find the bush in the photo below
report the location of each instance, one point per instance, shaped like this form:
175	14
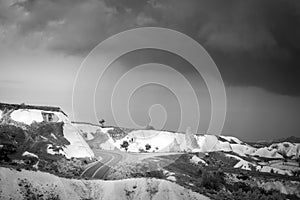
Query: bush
200	172
256	193
11	134
64	167
155	174
148	147
102	121
30	160
286	145
241	190
6	150
127	170
239	185
243	176
125	145
212	179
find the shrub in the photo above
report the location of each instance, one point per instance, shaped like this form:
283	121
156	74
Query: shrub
125	145
102	121
11	134
286	145
127	170
155	174
256	193
212	179
6	150
239	186
64	167
243	176
200	172
148	147
30	160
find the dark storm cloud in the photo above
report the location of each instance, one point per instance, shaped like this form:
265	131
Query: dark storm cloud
254	43
73	27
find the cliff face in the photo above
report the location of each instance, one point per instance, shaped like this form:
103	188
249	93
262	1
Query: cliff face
44	129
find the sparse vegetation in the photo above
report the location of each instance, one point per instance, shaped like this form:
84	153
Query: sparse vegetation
240	190
34	193
214	176
216	184
64	167
212	179
118	133
16	138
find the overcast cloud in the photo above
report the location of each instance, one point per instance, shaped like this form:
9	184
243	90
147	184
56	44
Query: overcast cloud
255	44
262	35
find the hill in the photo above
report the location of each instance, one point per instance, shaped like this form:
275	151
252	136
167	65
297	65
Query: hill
281	158
38	185
165	141
41	129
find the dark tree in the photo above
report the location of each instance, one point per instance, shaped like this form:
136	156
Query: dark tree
125	145
102	121
148	146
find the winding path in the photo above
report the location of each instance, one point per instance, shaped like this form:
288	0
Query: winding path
100	168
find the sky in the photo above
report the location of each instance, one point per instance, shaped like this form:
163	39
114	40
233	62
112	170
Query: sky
255	45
